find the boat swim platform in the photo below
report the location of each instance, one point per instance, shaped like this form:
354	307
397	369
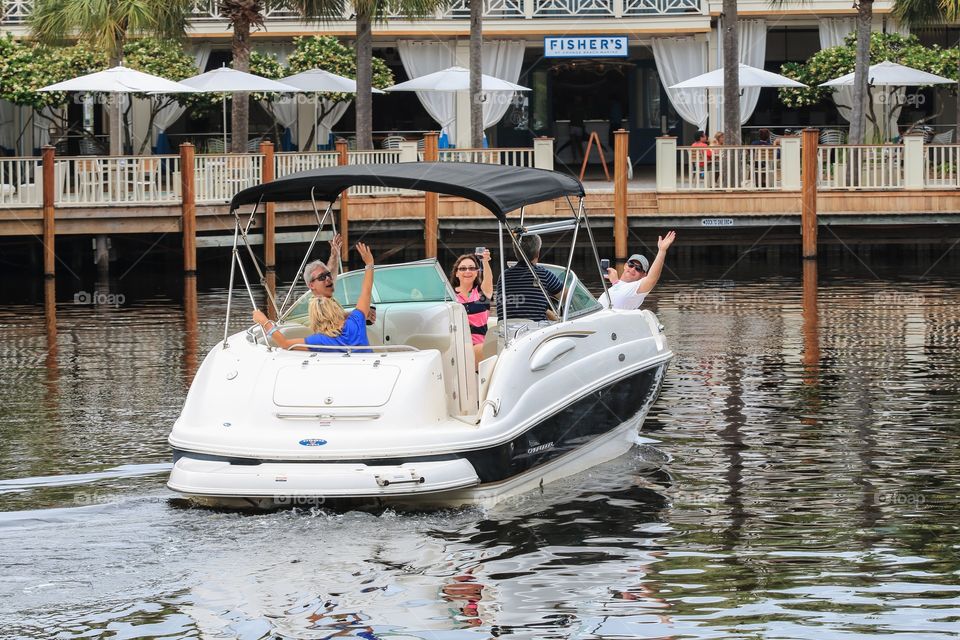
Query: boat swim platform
644	209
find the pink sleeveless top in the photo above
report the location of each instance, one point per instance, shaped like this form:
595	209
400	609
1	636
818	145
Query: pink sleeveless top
478	312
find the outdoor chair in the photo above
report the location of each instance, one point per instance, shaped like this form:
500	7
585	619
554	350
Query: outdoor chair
831	136
392	142
145	177
89	173
253	146
215	145
90	147
945	137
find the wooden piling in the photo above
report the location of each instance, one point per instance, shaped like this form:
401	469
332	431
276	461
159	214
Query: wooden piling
188	207
49	224
621	144
808	202
270	211
343	159
431	200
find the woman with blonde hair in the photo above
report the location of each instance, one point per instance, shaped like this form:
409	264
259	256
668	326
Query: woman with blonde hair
330	324
717	139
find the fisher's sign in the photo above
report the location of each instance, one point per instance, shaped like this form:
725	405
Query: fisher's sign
585	46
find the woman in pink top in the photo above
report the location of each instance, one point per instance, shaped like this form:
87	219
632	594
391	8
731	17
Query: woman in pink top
474	288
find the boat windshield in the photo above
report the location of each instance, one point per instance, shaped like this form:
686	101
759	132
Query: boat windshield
583	301
421	281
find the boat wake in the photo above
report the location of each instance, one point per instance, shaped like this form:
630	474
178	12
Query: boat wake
17	485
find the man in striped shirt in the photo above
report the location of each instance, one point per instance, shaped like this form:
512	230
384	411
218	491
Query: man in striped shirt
523	297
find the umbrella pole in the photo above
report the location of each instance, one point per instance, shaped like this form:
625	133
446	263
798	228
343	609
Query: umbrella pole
223	102
316	125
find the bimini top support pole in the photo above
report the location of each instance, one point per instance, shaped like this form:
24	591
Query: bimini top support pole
596	256
233	264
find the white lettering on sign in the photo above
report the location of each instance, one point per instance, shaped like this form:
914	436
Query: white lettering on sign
585	47
716	222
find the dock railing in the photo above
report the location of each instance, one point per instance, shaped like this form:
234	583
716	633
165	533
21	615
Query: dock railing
93	181
909	165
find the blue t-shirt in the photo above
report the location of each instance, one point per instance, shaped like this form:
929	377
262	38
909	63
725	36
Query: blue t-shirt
354	334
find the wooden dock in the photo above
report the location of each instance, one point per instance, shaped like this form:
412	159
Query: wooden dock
188	202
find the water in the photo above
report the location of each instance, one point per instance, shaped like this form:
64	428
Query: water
799	480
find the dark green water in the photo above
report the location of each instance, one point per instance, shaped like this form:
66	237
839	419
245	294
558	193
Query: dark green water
810	491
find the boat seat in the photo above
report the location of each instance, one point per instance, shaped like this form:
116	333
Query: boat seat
442	326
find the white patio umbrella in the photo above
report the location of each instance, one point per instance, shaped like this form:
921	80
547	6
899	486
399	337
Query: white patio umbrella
749	77
225	80
120	80
890	74
320	81
454	79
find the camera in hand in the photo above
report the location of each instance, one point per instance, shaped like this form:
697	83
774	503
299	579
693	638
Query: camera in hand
605	264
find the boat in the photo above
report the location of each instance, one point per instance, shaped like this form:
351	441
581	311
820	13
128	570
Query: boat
413	419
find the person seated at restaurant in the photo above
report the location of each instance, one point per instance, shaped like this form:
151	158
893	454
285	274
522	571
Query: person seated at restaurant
329	323
474	287
717	139
701	158
639	277
522	297
763	138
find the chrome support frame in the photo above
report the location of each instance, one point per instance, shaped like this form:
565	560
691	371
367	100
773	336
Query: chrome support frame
596	256
568	274
503	267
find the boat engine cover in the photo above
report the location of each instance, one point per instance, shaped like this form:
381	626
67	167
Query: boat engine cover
334	385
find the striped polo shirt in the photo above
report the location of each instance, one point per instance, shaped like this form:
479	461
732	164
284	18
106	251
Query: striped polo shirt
523	297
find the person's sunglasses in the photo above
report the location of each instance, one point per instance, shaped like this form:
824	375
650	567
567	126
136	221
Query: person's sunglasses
466	269
326	275
636	265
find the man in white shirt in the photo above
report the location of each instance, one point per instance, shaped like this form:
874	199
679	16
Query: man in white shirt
639	277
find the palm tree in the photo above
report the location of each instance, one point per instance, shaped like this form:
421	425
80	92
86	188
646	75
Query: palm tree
366	13
476	69
106	25
861	71
731	73
245	16
923	13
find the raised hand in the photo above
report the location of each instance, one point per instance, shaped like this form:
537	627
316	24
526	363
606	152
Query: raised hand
336	244
664	242
365	254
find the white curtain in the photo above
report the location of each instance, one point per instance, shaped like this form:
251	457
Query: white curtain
55	119
285	108
680	59
752	51
501	59
421	58
330	120
833	31
172	112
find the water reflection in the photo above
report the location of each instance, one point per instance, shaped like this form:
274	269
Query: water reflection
191	330
810	419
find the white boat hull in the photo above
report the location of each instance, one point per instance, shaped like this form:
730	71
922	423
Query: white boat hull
561	399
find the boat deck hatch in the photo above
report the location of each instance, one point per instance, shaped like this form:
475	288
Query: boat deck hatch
335	385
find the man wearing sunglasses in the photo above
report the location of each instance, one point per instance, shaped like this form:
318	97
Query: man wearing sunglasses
639	277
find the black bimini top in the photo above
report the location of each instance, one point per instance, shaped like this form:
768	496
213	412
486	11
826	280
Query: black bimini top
499	188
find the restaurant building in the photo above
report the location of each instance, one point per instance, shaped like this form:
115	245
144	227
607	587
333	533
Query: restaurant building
605	62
